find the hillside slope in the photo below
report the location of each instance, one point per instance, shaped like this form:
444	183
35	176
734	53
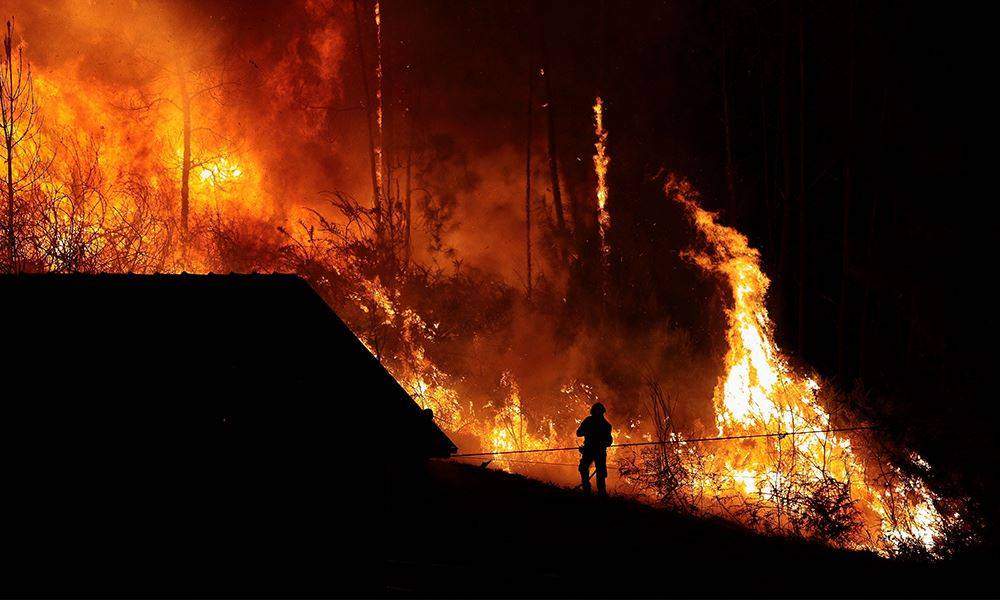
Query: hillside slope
462	530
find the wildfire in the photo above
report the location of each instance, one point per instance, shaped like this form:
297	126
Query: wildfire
759	393
601	161
109	200
808	480
499	425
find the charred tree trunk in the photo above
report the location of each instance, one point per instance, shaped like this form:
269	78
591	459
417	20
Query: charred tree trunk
768	208
20	125
803	238
384	224
551	115
362	63
786	161
408	207
11	239
7	99
527	175
185	160
8	131
866	299
870	252
845	235
726	119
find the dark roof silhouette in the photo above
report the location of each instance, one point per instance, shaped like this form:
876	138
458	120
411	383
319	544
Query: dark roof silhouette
223	421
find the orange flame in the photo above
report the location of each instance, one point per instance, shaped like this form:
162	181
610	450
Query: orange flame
601	161
760	393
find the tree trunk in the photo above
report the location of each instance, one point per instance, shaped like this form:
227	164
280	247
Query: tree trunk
384	177
870	250
726	120
409	190
376	193
866	299
845	235
11	239
551	114
185	160
8	114
803	238
527	176
768	208
786	164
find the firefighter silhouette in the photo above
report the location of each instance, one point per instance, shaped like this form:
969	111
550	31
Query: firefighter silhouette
596	433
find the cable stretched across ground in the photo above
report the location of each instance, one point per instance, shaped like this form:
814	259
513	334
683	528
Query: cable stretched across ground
524	462
668	442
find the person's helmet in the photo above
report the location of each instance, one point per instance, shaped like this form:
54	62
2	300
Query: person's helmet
598	409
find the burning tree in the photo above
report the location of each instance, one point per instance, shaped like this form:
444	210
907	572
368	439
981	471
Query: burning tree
24	161
199	155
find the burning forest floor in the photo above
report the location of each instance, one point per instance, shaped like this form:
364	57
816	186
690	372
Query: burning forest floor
462	530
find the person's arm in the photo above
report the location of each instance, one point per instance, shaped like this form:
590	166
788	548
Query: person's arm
581	431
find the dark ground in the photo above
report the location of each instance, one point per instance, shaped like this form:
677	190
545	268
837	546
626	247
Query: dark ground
473	532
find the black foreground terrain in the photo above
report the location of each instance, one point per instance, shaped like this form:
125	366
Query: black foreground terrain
467	531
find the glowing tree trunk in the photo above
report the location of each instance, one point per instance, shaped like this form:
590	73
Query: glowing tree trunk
601	162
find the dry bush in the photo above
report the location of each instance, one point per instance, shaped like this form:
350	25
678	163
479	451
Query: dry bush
662	470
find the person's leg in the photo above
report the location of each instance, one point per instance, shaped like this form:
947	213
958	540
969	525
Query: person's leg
585	460
601	464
